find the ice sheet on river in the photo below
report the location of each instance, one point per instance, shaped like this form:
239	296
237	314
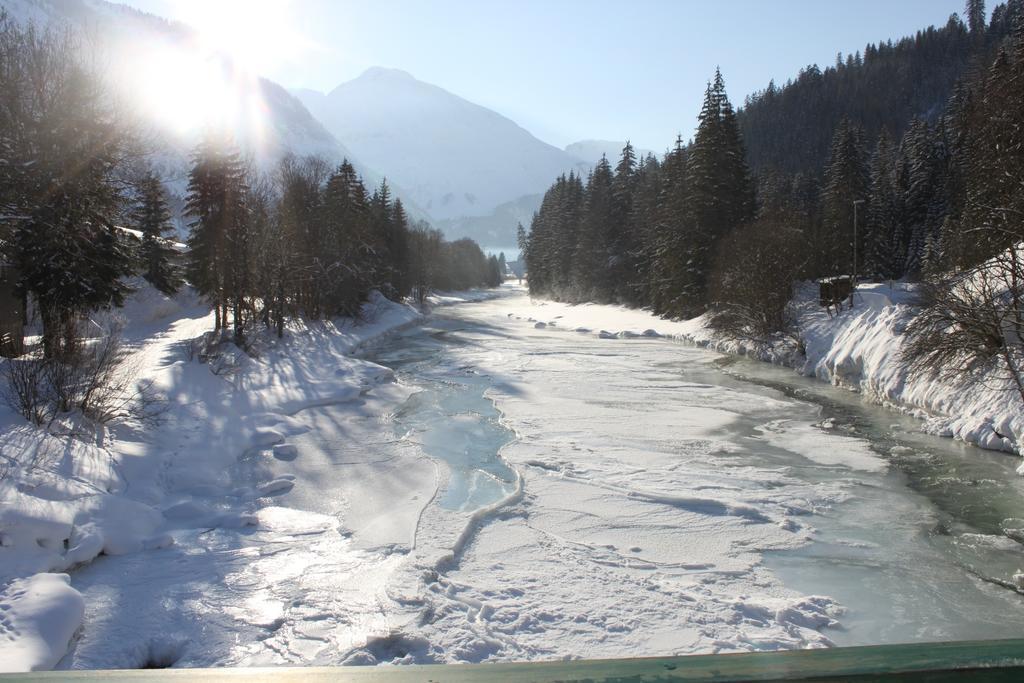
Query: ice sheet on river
642	520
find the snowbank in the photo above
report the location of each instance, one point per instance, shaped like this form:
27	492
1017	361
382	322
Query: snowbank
38	616
858	349
73	492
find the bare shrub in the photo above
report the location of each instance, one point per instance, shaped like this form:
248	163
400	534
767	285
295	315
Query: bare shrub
752	282
971	324
92	376
24	390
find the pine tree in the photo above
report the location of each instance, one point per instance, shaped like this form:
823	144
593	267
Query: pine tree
721	192
523	242
846	181
218	258
389	229
924	178
538	247
668	242
623	239
592	259
882	221
643	223
157	255
975	12
380	227
397	245
738	186
346	214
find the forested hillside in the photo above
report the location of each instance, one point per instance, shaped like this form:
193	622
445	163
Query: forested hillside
906	162
789	128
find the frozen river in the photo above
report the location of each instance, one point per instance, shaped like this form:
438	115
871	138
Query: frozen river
529	492
675	500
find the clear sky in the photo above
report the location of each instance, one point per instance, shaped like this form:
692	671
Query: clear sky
563	69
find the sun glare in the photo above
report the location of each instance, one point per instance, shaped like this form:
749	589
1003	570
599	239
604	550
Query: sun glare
254	33
183	91
212	81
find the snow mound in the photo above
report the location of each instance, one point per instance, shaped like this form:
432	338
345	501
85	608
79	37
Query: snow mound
38	617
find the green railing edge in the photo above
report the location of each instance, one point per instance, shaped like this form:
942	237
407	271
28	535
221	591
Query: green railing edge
989	659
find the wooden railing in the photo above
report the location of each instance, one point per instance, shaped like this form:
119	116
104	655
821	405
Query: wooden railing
995	660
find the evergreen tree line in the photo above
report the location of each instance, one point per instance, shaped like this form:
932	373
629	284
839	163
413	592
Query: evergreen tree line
645	232
697	231
308	240
789	128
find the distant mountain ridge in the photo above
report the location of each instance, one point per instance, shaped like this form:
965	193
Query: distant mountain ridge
591	151
455	158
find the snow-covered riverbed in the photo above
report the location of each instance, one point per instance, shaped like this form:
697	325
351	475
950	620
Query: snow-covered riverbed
528	491
673	507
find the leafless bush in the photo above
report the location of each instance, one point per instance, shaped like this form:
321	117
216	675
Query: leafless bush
23	388
971	323
92	376
217	352
752	282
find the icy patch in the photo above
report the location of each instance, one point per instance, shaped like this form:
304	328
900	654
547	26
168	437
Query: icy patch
824	448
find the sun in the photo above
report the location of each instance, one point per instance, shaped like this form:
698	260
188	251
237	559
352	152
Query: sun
255	34
211	79
185	91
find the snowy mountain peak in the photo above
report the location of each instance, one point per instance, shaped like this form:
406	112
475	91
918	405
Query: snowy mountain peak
454	157
385	73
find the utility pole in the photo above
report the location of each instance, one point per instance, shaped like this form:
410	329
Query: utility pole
853	281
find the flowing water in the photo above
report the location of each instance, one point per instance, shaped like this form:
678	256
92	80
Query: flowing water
449	416
926	552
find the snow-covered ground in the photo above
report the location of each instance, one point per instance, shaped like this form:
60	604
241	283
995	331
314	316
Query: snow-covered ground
505	480
66	499
858	349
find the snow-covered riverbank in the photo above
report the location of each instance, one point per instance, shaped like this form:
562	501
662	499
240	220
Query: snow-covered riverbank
857	349
67	499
